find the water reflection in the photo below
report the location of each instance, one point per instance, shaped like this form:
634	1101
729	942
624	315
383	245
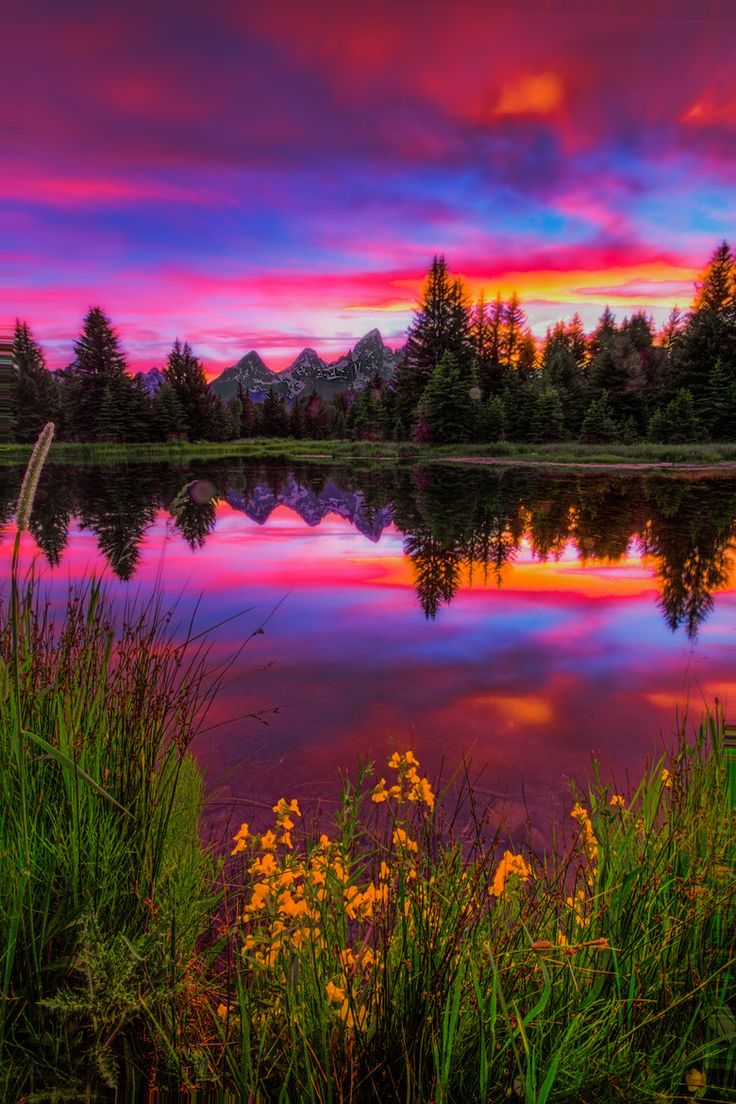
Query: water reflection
460	526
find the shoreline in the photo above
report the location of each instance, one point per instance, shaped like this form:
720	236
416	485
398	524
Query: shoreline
716	460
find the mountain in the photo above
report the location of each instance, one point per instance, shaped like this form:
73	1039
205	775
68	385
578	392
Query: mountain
250	371
309	372
312	507
151	380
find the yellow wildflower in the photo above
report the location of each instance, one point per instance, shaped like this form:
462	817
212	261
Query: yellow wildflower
578	904
579	812
259	895
285	839
335	993
288	906
618	801
268	841
265	865
222	1011
283	807
380	793
510	866
401	839
666	778
695	1080
424	793
351	897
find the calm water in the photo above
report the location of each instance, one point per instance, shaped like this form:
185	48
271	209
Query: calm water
522	620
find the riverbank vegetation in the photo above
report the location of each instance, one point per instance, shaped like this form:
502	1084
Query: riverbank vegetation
400	948
470	373
571	453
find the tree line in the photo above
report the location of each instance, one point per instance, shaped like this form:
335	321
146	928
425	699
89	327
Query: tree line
471	372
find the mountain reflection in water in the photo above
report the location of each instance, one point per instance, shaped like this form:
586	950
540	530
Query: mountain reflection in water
460	526
500	614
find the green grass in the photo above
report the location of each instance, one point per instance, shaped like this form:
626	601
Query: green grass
287	449
604	971
106	892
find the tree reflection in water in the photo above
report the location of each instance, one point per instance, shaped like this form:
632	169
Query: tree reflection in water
458	523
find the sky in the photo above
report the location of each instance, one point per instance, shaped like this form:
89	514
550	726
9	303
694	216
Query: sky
246	175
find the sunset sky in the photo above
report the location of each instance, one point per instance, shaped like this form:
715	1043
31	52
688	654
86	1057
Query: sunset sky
277	175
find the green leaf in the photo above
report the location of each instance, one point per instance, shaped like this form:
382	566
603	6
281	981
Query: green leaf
70	765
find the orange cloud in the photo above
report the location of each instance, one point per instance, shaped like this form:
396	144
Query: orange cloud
618	285
536	94
710	110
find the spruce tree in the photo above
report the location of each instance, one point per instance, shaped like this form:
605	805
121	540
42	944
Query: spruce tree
248	415
273	415
445	403
185	373
491	420
168	415
234	409
710	332
598	424
98	369
678	422
34	398
718	411
548	419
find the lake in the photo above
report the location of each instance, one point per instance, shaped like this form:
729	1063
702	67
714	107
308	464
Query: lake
520	620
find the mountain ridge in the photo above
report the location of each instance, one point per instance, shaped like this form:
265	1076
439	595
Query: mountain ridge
309	372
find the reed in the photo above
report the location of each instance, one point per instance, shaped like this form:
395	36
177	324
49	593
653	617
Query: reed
106	891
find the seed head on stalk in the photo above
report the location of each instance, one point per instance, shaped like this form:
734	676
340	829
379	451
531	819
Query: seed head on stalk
30	479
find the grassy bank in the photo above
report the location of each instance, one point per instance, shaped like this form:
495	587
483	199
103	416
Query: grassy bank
569	453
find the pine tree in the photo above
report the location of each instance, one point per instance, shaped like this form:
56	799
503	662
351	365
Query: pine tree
603	334
185	374
548	419
168	415
678	422
98	367
273	415
710	332
248	416
97	351
234	409
407	387
718	412
598	424
441	325
514	327
34	399
298	419
562	370
445	403
492	419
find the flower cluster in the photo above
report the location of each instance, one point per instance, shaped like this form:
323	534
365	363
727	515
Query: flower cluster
512	869
409	786
590	842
